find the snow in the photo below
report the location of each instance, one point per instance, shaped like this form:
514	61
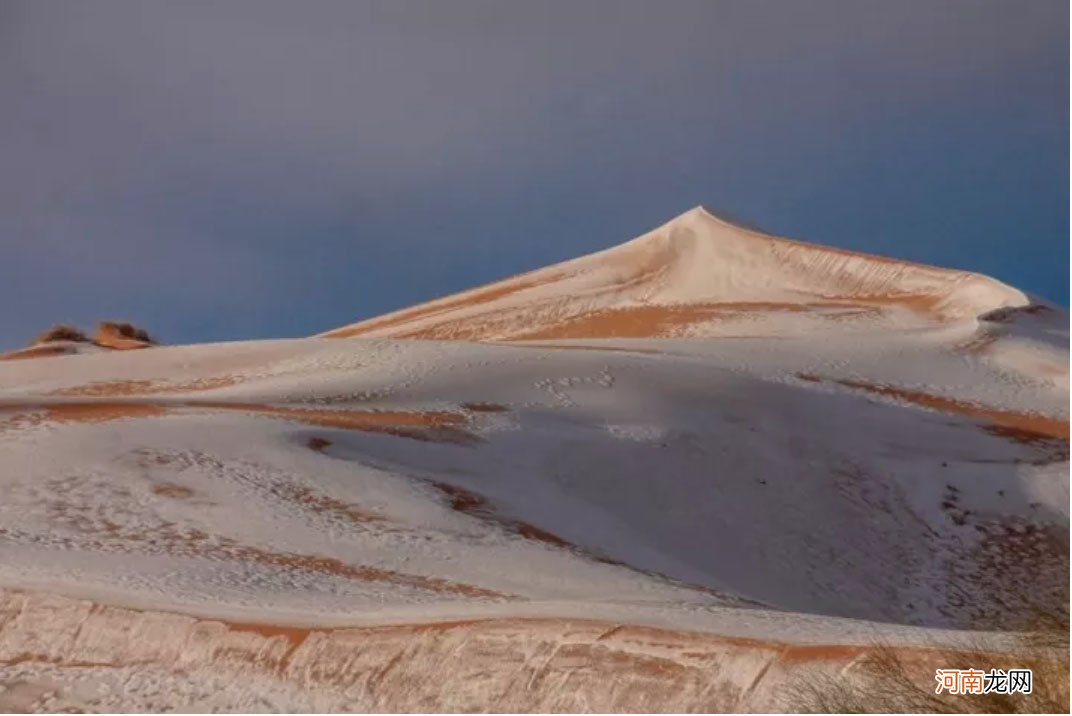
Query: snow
627	455
743	281
786	485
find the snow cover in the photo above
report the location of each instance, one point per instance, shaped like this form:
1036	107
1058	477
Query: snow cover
51	349
882	479
699	275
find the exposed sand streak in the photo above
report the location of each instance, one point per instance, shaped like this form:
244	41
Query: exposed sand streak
364	573
95	412
478	506
106	535
518	664
657	321
687	276
170	489
470	503
147	387
483	294
42	351
434	426
1021	425
638	321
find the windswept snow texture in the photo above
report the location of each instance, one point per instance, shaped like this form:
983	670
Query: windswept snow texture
701	276
545	501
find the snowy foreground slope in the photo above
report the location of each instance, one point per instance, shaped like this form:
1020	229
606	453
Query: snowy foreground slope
673	516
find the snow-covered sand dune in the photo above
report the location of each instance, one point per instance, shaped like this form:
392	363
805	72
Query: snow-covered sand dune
699	275
596	507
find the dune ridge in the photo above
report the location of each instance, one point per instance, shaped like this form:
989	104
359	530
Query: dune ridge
700	276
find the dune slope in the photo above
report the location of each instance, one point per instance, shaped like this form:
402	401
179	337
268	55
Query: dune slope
639	519
700	276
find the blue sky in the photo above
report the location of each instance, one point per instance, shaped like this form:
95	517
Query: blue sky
228	170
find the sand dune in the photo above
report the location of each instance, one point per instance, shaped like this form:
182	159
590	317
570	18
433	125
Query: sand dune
701	276
679	474
480	664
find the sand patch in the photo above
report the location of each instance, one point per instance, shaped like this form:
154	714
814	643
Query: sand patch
122	336
646	321
292	634
568	347
43	351
147	387
475	505
170	489
1023	427
484	294
673	320
100	533
322	504
354	419
427	426
924	303
96	412
653	321
485	407
364	573
120	344
1021	422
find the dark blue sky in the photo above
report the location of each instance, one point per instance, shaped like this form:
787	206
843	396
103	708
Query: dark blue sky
225	170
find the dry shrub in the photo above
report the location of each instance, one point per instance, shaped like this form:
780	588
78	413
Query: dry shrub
61	332
896	680
122	329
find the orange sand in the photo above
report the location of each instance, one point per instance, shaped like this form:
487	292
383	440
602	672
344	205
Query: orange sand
147	387
490	292
42	351
1020	425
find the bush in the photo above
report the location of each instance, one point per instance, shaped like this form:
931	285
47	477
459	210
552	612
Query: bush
61	332
122	329
896	679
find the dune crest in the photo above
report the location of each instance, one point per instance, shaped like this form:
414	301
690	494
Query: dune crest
701	276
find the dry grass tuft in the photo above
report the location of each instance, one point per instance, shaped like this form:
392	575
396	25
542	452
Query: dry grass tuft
897	680
122	329
61	332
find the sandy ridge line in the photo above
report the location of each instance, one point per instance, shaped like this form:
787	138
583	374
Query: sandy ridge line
1025	426
116	388
445	304
650	321
525	660
603	629
431	425
43	351
506	664
198	544
481	314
